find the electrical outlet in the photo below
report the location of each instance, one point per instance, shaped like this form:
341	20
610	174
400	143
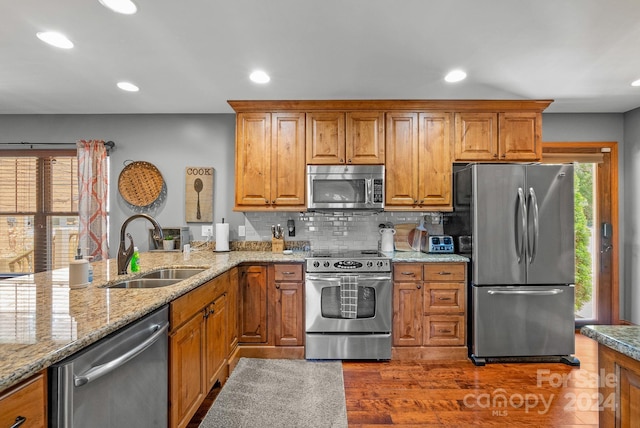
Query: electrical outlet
242	231
207	231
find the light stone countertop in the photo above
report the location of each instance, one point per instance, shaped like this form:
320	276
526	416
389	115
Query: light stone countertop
622	338
43	321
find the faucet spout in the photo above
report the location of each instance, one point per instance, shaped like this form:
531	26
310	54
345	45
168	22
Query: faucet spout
125	253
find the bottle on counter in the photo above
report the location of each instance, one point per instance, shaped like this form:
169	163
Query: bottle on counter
78	271
135	260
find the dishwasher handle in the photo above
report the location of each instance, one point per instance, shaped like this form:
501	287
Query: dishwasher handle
101	370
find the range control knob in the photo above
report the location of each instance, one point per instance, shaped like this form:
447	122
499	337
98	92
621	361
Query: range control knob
369	263
316	264
326	264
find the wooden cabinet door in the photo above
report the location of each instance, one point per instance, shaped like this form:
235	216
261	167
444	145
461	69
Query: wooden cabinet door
628	402
444	330
365	137
520	135
187	386
476	136
289	320
232	310
216	340
253	159
26	400
434	160
288	170
407	314
401	169
253	306
325	138
444	297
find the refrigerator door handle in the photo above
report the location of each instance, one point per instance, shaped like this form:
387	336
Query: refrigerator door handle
526	292
520	246
536	225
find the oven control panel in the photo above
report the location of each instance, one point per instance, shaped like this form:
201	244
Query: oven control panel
348	265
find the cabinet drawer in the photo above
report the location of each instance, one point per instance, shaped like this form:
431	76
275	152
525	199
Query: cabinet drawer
444	271
444	330
444	297
407	272
288	272
27	400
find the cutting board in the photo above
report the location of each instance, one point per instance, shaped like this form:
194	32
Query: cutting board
404	236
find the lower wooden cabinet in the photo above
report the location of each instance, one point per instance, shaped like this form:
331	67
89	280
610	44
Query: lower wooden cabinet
618	389
429	310
198	347
253	304
287	311
26	402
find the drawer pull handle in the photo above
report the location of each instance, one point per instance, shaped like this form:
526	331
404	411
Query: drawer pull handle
19	421
288	273
444	331
408	273
444	273
444	298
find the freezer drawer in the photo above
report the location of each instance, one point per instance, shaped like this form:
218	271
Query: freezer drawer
519	321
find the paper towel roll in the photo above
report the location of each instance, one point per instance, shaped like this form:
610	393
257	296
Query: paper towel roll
222	236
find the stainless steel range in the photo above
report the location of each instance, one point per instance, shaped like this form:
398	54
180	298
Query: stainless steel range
348	305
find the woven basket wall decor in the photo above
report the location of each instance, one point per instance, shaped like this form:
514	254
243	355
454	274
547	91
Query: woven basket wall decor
140	183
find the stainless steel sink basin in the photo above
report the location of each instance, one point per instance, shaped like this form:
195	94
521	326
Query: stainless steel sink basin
144	283
173	273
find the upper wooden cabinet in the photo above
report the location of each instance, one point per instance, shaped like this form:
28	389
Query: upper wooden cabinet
418	166
509	136
355	137
270	161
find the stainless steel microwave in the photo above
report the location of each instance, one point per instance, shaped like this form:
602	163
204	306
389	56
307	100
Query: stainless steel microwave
345	187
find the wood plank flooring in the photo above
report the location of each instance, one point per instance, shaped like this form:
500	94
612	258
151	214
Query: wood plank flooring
458	394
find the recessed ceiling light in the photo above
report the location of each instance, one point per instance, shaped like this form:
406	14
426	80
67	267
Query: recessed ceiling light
455	76
55	39
259	76
127	86
126	7
635	83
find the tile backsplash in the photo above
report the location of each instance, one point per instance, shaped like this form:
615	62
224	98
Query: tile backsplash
335	231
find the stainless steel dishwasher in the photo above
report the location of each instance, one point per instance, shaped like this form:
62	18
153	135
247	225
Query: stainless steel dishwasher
120	381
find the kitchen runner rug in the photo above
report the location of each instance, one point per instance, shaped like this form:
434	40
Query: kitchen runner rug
280	393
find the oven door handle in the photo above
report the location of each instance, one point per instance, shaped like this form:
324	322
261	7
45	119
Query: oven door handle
337	278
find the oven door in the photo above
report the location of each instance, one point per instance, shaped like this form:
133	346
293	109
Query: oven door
325	308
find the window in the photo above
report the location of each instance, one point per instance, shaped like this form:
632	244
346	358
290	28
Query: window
38	210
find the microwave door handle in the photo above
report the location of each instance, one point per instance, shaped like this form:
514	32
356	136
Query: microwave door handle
368	199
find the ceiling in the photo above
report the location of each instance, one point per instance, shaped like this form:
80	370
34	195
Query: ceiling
192	56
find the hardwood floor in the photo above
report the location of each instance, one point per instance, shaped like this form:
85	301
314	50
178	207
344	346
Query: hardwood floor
458	394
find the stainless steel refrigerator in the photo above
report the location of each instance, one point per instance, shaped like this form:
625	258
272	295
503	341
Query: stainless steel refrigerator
521	223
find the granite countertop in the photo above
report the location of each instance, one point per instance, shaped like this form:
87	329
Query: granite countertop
43	321
622	338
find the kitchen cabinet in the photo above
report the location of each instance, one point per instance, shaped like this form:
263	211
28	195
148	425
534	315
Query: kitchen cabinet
337	137
270	161
489	136
287	290
429	310
198	347
233	304
26	401
418	163
253	304
618	389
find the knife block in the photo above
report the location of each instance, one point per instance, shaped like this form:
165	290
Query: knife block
277	245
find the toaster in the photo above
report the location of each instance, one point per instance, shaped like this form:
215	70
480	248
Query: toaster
440	244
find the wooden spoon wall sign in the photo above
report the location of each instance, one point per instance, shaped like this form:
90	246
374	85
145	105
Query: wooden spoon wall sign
141	185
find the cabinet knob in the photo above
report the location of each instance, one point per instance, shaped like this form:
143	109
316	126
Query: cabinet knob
341	160
418	286
504	155
415	201
266	201
278	286
421	201
349	161
495	155
273	202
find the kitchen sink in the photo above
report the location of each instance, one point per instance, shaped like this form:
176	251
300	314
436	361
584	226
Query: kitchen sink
173	273
144	283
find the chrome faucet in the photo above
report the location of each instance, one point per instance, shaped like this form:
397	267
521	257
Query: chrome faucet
124	255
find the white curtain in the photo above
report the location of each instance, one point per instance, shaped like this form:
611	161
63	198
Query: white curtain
93	184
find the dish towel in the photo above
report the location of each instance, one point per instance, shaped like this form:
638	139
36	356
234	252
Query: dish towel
349	296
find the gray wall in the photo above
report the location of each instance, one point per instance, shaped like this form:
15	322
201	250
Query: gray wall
632	214
173	142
